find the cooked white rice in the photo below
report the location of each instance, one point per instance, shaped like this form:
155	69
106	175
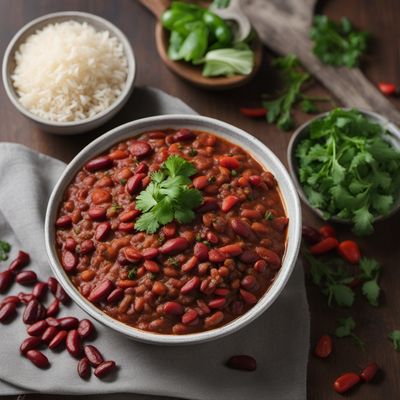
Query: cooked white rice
68	71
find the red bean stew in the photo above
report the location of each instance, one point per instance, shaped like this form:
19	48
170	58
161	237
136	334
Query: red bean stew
183	278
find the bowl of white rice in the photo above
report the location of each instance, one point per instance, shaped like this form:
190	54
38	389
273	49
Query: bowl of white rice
69	72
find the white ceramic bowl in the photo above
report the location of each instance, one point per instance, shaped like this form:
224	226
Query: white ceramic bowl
73	127
235	135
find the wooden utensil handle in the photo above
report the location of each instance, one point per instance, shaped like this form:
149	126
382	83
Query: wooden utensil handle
157	7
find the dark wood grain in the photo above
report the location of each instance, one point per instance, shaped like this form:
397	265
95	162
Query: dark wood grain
378	17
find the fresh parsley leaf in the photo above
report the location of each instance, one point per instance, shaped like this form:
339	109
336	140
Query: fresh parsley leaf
168	196
308	106
369	268
371	291
342	294
4	250
337	44
346	328
394	336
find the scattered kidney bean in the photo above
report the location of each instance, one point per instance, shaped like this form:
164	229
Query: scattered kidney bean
68	323
104	368
7	311
37	328
84	368
10	299
30	343
327	231
85	328
324	346
345	382
62	295
73	343
52	283
49	334
26	297
350	251
387	88
53	308
58	339
369	372
19	262
39	290
242	362
6	279
324	246
26	277
32	312
93	355
311	235
52	322
37	358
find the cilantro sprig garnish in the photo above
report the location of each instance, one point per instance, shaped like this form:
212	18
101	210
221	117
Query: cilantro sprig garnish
394	336
348	169
168	196
345	329
337	44
4	250
370	271
279	110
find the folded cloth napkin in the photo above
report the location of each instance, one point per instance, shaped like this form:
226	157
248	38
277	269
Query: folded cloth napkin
278	339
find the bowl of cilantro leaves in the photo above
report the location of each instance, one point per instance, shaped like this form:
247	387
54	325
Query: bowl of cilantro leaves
346	166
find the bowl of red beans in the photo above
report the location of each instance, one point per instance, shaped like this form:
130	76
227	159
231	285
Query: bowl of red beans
174	229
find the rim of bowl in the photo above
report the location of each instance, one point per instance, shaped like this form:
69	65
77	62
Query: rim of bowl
301	132
52	18
223	130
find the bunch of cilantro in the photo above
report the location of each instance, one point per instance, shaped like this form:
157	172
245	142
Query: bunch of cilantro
348	169
168	196
337	44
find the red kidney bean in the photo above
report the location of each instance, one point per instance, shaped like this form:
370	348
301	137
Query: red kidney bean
97	213
32	312
189	316
115	296
19	262
248	282
70	244
134	183
57	340
140	149
151	266
324	346
156	135
39	290
104	368
237	307
327	231
249	257
64	222
217	303
213	319
183	135
216	256
150	253
7	311
169	230
101	292
68	323
52	322
102	162
255	180
10	299
173	308
311	235
200	182
221	292
190	285
132	254
207	286
345	382
26	277
209	204
52	283
49	334
174	246
37	328
85	328
73	343
37	358
201	252
86	247
93	355
43	312
241	228
242	362
128	216
83	368
260	266
54	308
269	256
231	250
369	372
30	343
62	295
212	237
229	202
26	297
229	162
190	264
248	297
102	231
324	246
142	168
6	279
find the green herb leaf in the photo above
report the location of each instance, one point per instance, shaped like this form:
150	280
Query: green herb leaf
394	336
132	274
342	294
346	328
371	291
4	250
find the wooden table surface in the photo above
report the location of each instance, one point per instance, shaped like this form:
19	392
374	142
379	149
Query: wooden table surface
381	18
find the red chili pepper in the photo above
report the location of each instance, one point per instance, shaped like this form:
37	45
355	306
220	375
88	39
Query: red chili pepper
324	246
350	251
345	382
254	112
327	231
324	346
369	372
387	88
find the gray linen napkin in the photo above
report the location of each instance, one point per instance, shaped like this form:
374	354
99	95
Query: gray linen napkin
278	339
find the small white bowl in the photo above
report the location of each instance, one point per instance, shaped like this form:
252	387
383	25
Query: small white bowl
228	132
73	127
